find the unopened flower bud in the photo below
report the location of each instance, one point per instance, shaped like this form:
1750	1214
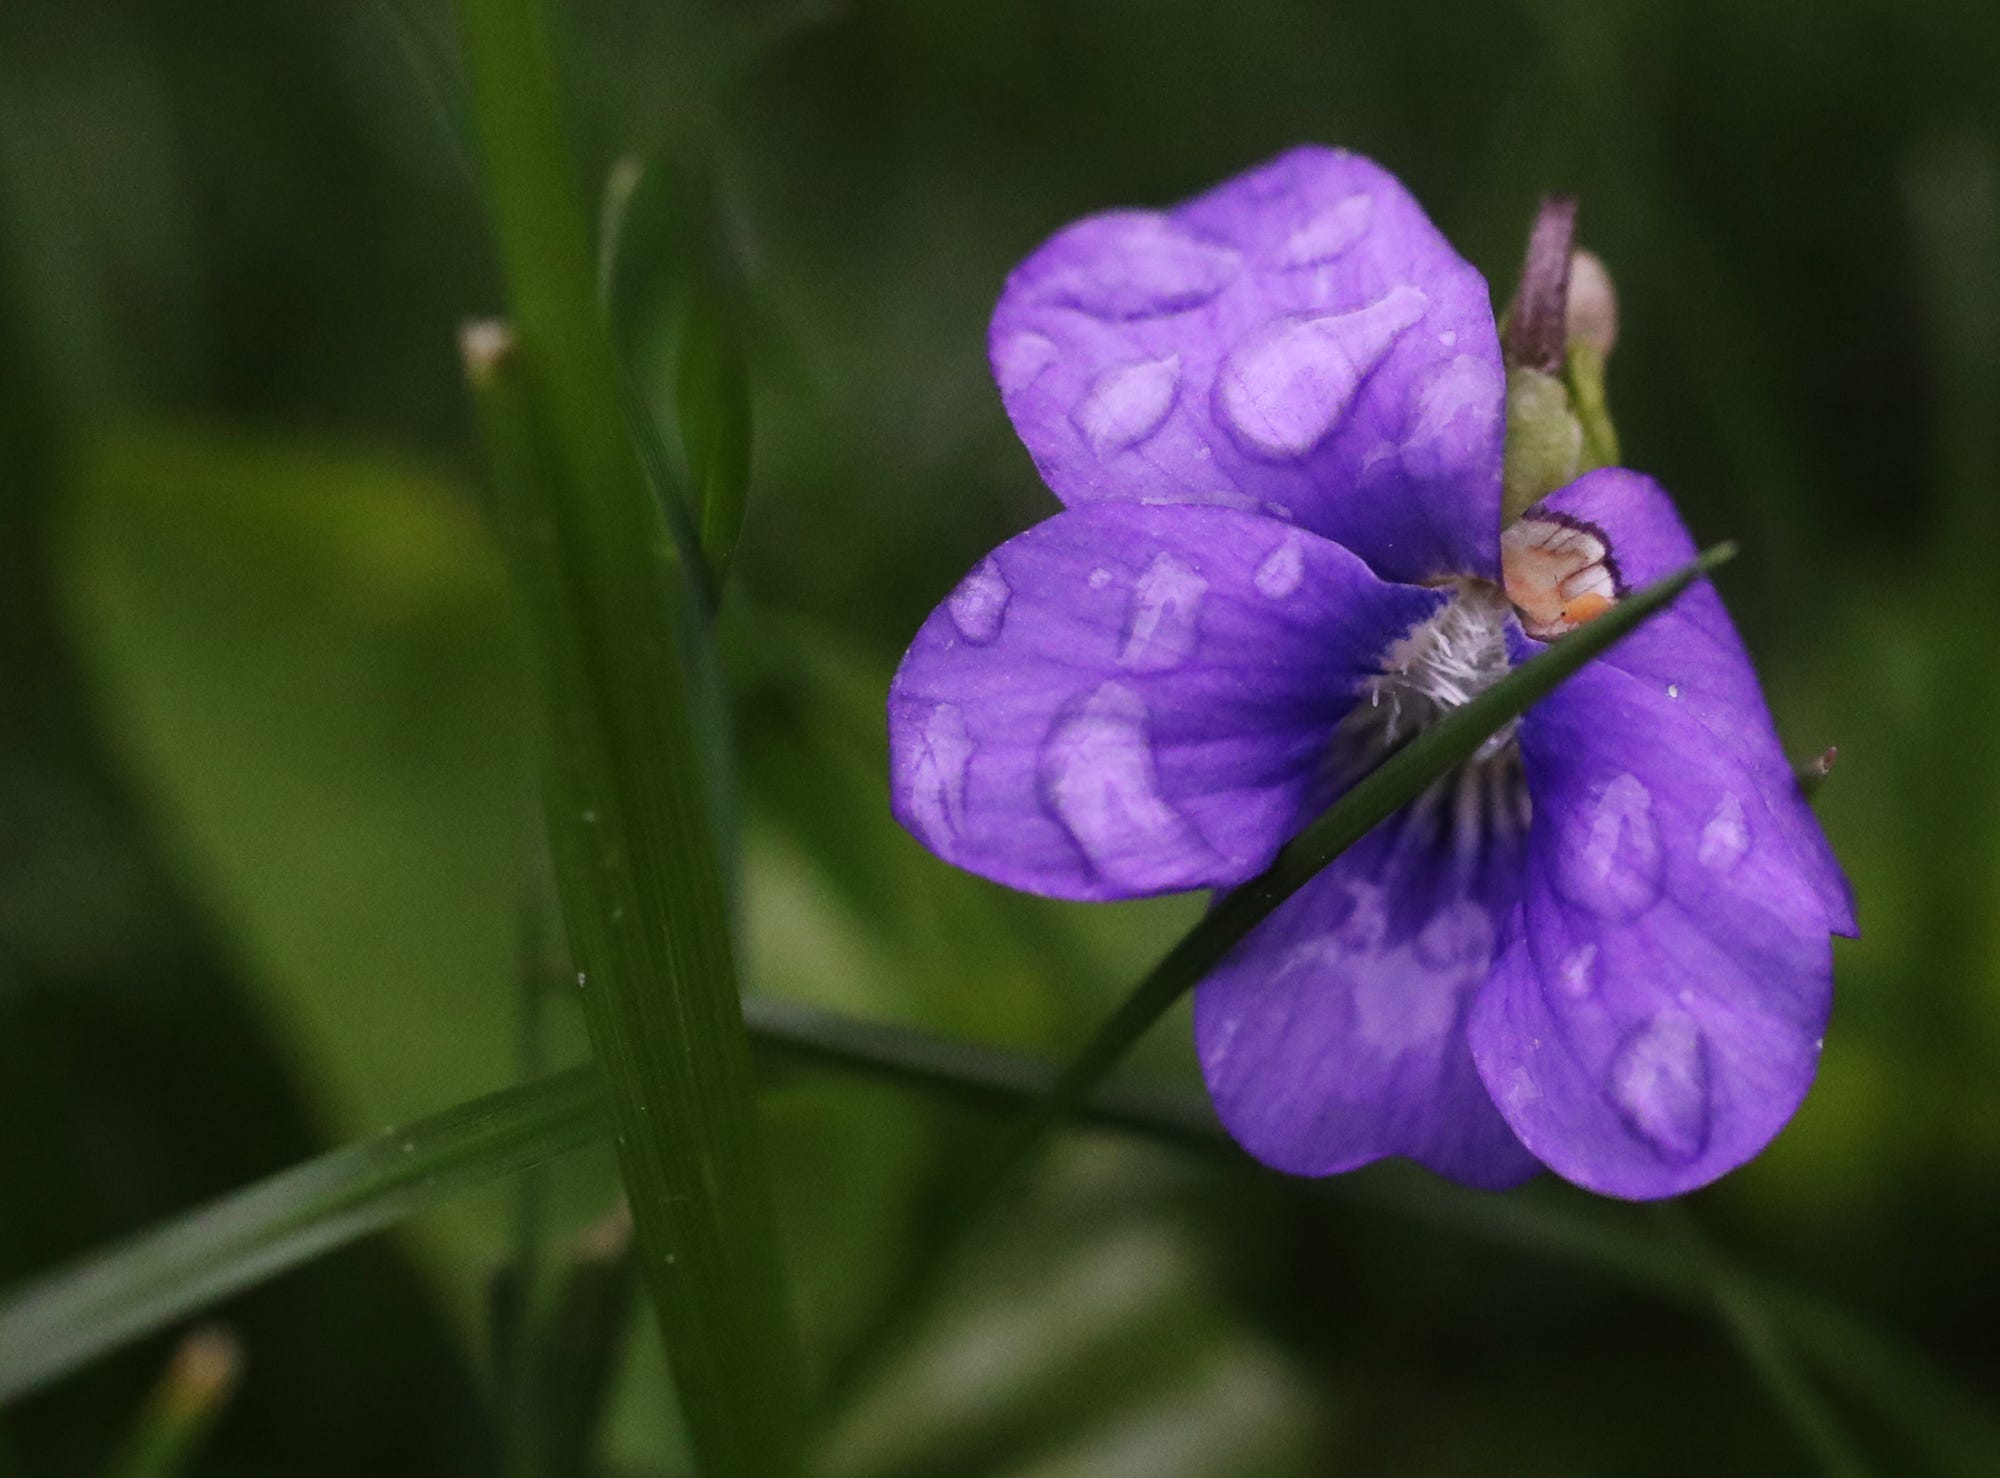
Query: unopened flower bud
1544	440
1536	327
1593	304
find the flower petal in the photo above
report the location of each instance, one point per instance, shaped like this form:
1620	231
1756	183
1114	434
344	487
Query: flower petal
1128	700
1301	339
1335	1033
1659	1018
1692	654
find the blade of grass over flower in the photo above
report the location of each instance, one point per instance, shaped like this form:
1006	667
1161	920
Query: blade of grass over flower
607	615
133	1289
1378	795
1396	782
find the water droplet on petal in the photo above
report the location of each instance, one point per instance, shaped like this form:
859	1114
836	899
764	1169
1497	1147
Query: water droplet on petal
1673	690
979	605
1019	360
1163	620
1099	578
1147	268
1127	404
1609	860
936	766
1399	1007
1099	778
1725	837
1206	498
1578	972
1364	927
1285	388
1329	234
1458	939
1659	1083
1449	338
1457	414
1282	569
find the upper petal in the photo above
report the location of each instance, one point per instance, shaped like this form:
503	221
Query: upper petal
1129	699
1692	654
1300	339
1334	1034
1659	1018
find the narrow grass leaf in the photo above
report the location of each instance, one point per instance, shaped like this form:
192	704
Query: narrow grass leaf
133	1289
606	612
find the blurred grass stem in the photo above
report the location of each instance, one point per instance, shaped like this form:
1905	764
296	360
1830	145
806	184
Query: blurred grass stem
183	1408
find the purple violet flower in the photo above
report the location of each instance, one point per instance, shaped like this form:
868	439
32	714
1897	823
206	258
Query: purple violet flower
1274	415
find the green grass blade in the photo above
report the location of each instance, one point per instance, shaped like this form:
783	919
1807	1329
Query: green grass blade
73	1315
606	609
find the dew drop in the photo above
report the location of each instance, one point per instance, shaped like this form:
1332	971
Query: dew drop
1673	690
1457	412
979	606
1659	1084
1449	338
1364	927
1127	404
1610	858
1457	939
1284	389
1282	569
1578	972
1019	361
1099	578
1331	233
1136	265
1163	620
1099	779
1398	1010
935	765
1725	837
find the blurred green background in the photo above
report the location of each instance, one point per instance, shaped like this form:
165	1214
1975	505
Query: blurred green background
265	811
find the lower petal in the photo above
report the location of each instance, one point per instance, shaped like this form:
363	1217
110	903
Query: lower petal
1693	655
1335	1033
1659	1017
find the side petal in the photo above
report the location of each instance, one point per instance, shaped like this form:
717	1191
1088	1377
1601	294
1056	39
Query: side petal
1128	700
1335	1033
1299	340
1693	655
1659	1018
